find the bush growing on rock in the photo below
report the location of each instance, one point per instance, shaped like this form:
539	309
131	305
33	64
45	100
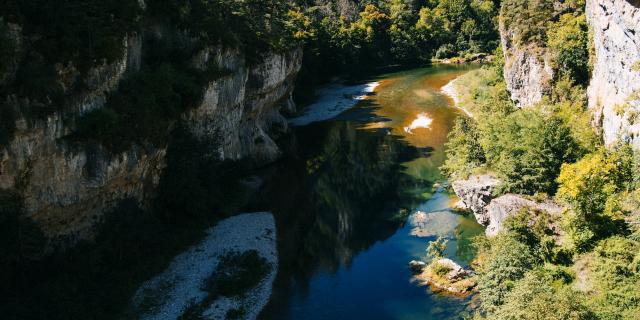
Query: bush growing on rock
568	39
436	248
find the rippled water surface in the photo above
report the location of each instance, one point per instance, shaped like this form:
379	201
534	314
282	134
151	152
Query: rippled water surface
342	198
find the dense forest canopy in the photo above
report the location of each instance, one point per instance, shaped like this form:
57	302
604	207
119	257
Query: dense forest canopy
343	39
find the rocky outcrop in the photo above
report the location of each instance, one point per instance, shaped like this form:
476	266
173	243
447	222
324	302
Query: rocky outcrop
507	205
615	25
527	70
242	108
67	186
476	193
417	266
444	275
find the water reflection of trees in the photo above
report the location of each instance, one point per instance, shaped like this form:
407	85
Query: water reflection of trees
336	195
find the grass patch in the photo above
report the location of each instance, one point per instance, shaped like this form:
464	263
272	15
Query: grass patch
235	314
439	269
237	273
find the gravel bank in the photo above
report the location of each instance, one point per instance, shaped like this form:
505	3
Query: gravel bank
167	295
451	91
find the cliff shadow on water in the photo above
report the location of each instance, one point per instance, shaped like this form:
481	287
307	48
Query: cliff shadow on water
335	196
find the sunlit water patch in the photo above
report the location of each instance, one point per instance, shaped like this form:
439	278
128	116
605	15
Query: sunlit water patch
422	121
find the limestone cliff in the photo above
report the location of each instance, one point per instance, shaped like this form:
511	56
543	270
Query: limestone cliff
527	69
615	25
242	108
67	186
527	72
509	204
476	193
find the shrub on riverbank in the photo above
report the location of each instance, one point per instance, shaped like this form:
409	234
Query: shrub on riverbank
524	147
583	264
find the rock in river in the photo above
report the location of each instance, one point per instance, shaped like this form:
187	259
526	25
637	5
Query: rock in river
447	275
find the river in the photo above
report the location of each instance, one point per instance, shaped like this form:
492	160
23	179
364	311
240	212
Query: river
342	198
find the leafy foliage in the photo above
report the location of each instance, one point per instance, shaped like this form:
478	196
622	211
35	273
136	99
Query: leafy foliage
569	39
592	187
525	147
527	21
255	26
80	31
464	149
237	273
507	260
616	269
143	108
436	248
536	297
528	149
588	183
395	32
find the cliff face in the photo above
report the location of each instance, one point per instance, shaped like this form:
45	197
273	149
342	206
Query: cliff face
242	108
68	186
65	188
510	204
527	70
527	73
616	37
476	193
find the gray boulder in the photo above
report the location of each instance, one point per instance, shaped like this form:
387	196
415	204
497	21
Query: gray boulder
417	266
476	193
502	207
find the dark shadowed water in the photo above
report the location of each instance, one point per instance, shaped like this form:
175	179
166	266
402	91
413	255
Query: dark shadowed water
342	198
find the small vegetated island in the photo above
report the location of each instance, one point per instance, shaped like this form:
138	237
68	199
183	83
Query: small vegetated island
135	133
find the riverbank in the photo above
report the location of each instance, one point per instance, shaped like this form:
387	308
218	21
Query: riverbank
451	90
181	285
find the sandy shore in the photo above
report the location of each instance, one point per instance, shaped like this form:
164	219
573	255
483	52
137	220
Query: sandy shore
451	91
333	100
167	295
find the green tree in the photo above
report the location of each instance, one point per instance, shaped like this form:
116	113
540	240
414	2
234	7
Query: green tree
506	261
591	186
527	150
436	248
588	183
616	273
536	297
464	152
569	41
